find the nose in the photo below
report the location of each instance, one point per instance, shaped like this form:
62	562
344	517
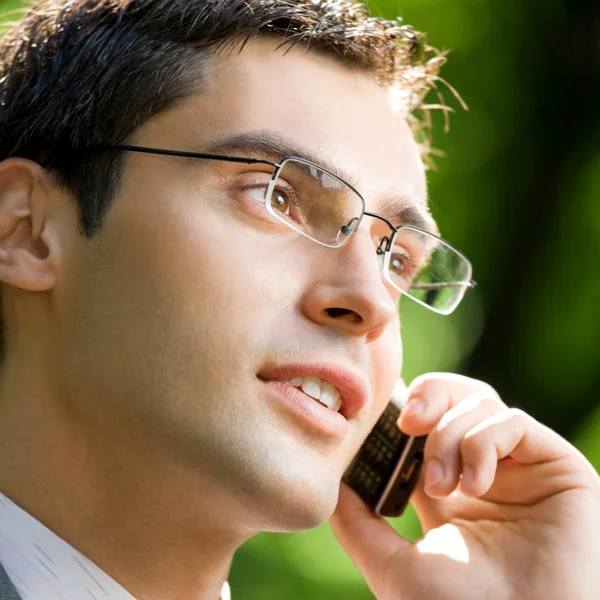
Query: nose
348	293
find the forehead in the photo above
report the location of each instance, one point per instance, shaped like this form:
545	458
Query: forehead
340	115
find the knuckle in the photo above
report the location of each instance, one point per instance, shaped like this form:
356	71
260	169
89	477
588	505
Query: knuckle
519	417
483	402
491	393
493	396
517	413
473	443
453	385
475	406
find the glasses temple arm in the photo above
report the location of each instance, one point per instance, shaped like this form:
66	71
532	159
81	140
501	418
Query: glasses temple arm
442	284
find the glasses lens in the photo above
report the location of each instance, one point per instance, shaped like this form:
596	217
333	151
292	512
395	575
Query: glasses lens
315	202
428	269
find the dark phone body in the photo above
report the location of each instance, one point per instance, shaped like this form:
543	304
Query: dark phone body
386	469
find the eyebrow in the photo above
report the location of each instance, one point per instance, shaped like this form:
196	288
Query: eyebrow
274	146
401	210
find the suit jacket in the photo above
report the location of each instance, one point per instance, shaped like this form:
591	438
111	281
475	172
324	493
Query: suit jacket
7	590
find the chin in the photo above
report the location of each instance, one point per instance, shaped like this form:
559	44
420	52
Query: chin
280	483
297	518
299	506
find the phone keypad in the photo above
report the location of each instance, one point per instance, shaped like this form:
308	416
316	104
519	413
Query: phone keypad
388	427
376	456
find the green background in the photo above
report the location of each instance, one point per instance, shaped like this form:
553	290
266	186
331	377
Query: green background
518	190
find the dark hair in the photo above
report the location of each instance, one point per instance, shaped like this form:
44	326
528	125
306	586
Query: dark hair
76	73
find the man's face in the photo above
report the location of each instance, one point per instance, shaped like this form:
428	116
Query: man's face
174	316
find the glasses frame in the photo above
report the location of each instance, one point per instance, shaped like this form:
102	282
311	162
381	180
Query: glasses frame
349	229
467	284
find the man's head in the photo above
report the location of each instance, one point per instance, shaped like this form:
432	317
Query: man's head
158	293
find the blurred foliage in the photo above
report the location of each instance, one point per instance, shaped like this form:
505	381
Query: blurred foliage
517	189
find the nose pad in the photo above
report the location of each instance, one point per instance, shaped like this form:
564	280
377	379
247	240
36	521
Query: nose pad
381	248
383	244
350	227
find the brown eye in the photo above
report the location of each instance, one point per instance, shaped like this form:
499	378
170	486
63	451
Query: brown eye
398	266
280	202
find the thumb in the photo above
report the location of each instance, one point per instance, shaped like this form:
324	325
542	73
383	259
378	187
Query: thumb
370	541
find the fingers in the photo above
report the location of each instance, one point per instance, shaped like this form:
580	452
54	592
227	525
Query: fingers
443	460
431	396
523	441
474	439
515	433
446	406
470	430
370	541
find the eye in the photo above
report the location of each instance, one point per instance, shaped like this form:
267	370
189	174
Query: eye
280	199
399	265
280	202
401	268
257	192
283	204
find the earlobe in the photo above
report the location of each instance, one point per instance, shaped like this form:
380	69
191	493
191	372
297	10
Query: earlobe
25	256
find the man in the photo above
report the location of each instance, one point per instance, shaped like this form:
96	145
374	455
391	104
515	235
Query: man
208	214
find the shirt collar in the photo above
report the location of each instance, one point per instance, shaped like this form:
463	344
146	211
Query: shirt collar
43	566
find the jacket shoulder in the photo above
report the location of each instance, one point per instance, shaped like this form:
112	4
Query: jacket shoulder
7	589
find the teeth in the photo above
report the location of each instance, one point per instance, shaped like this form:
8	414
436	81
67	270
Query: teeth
320	390
328	392
338	402
312	387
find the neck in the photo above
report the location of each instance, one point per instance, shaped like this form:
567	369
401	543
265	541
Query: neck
159	530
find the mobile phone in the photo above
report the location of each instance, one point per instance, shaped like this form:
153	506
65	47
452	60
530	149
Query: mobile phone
386	469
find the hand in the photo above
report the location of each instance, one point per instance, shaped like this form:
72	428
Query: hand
514	513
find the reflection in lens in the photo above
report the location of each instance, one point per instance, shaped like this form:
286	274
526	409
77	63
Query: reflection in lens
330	210
439	275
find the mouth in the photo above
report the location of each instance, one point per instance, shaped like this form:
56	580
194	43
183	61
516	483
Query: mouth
338	388
319	389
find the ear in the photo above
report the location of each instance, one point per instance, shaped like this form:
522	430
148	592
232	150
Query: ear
25	233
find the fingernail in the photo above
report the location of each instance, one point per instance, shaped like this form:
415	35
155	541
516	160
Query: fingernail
433	473
415	408
468	476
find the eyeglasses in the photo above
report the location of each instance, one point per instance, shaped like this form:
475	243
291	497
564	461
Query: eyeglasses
326	209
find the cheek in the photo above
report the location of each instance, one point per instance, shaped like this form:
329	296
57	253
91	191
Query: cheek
166	283
171	319
385	367
203	285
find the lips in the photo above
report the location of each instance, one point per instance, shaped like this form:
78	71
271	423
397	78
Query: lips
352	387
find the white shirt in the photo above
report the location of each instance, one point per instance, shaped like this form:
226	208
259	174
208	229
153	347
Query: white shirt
43	566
